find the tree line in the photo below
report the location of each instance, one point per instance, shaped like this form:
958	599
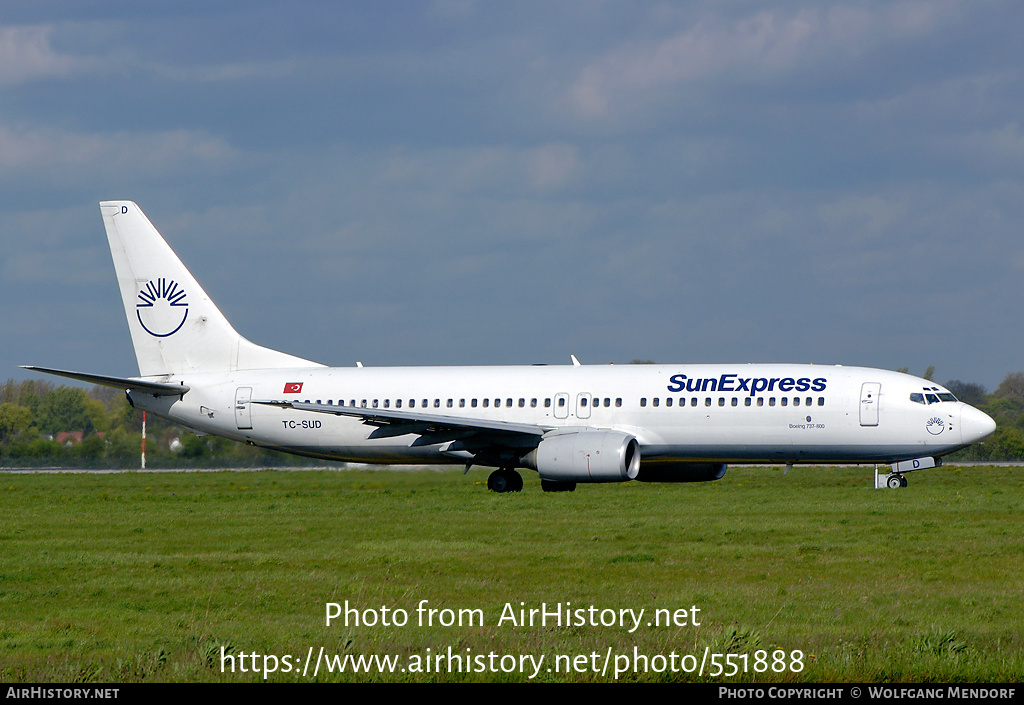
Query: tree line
43	424
1006	406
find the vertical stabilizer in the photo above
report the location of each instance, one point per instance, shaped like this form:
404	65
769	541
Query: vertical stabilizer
175	327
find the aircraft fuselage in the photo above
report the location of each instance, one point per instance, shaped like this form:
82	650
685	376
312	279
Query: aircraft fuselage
745	413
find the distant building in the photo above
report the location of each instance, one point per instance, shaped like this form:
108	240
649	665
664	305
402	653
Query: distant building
69	437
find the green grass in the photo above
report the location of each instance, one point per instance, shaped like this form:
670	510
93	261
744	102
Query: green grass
133	577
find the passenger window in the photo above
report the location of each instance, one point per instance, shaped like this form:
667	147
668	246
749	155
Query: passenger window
450	404
821	401
462	403
693	402
508	403
607	402
583	401
668	402
437	403
533	403
707	401
473	403
486	403
735	401
426	403
387	403
398	403
363	404
374	403
785	401
746	401
618	401
643	401
760	401
547	403
561	401
771	401
497	403
412	403
721	401
351	402
522	403
657	401
808	401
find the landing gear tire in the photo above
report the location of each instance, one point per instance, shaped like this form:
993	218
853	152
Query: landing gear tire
552	486
896	481
505	480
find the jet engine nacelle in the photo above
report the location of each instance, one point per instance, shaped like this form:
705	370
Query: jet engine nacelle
681	472
586	456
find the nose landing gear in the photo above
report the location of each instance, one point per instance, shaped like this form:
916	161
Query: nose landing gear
896	480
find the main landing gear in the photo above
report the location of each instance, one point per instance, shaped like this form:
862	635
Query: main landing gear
508	480
505	480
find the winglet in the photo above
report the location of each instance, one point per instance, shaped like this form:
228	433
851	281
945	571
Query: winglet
575	362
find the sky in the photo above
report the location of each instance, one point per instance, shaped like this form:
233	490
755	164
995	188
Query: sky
474	183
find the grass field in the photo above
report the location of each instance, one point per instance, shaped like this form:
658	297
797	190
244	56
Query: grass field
129	577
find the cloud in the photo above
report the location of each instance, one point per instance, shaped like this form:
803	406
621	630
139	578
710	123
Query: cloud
758	45
26	55
998	149
51	153
862	217
73	266
229	72
550	166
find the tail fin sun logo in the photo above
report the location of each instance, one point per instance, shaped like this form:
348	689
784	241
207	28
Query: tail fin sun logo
162	308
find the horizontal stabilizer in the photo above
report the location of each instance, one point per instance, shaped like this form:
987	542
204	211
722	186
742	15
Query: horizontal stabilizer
157	389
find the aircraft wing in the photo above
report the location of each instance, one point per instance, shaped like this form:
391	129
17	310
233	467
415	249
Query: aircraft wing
431	428
157	389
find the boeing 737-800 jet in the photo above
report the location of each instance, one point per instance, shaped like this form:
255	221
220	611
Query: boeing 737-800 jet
570	424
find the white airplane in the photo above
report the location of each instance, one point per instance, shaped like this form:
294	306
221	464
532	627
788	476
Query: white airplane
573	423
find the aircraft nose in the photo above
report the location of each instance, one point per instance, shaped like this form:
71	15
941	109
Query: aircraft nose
975	424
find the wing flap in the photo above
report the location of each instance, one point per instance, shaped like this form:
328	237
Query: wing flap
431	428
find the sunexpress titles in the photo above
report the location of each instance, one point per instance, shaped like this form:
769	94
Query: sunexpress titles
752	385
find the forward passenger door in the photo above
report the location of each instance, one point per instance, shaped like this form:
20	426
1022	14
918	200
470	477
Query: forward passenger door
869	393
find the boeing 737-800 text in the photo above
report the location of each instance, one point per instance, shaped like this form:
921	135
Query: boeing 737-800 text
570	424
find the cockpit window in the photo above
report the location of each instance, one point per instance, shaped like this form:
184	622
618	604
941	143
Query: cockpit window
929	398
